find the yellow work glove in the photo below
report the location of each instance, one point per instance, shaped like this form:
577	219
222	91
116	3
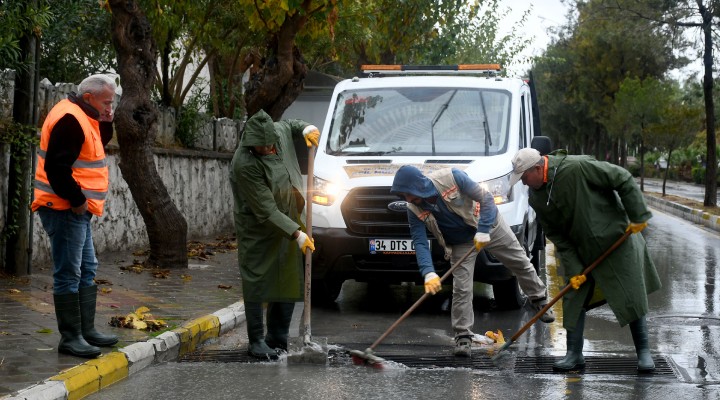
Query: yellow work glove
480	240
432	283
636	227
304	242
311	135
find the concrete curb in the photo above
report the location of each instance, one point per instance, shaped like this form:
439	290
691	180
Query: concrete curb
94	375
689	214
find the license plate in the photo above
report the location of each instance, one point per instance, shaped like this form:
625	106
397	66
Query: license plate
392	246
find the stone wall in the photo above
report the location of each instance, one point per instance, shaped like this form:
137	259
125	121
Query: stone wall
198	184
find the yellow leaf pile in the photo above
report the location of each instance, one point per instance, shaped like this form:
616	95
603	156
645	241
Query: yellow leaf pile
141	319
496	336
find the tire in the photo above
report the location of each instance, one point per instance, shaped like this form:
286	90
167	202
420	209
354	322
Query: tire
326	291
508	295
538	252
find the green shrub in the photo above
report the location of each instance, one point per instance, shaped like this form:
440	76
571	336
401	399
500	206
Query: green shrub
698	175
190	118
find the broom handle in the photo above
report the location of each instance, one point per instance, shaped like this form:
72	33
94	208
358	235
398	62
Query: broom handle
569	286
420	300
308	253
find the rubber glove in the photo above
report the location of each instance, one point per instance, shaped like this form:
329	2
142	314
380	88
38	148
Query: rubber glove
636	227
432	283
480	240
311	135
304	242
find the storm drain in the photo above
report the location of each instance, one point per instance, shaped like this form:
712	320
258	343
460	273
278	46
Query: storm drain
523	365
593	365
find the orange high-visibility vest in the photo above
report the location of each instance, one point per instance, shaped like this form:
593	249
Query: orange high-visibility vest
90	170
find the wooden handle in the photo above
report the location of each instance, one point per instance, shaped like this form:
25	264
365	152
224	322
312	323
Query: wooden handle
308	253
569	286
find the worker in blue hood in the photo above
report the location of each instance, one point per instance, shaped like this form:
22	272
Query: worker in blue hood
461	214
269	224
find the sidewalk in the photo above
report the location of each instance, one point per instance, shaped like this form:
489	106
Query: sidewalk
185	299
189	300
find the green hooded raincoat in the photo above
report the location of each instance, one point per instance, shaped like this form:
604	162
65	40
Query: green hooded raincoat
584	208
269	208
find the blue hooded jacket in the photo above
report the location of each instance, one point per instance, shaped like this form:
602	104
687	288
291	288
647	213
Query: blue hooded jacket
409	179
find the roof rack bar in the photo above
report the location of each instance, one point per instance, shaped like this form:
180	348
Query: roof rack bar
410	69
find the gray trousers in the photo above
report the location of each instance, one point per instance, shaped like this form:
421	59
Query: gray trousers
503	246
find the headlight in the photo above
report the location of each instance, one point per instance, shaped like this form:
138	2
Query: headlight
499	188
324	192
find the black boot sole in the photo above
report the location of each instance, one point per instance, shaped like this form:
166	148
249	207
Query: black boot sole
576	367
271	357
82	355
107	343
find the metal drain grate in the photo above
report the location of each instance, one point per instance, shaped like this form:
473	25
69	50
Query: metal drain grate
593	365
441	361
219	356
522	365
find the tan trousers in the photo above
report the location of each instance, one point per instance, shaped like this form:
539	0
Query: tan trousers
505	247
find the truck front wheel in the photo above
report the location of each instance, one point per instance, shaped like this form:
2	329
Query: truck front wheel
508	295
326	291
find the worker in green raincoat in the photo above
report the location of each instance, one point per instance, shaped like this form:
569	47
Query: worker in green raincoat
269	215
584	207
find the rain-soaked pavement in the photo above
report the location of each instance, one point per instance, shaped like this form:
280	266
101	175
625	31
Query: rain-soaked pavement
684	337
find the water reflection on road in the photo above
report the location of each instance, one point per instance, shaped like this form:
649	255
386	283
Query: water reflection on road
683	324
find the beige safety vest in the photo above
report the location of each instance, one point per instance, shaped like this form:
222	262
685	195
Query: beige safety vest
444	182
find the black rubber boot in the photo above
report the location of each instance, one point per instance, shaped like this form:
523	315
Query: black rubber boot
256	333
574	359
67	311
639	331
278	325
88	300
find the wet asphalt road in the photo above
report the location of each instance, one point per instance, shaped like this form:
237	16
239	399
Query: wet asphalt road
682	189
683	322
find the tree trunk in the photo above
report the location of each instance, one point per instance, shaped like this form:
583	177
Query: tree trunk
642	165
711	165
280	79
17	228
667	171
136	126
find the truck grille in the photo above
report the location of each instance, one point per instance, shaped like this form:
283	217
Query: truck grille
366	212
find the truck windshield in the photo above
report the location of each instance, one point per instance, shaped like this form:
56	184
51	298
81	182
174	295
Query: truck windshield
421	121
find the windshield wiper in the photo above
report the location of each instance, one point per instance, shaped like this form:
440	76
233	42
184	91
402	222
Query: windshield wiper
437	117
486	127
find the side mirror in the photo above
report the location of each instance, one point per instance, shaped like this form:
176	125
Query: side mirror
543	144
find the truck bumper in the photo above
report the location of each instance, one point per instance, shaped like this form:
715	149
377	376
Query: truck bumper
339	255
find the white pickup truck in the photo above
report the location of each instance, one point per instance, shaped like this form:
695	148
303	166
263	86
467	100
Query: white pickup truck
461	116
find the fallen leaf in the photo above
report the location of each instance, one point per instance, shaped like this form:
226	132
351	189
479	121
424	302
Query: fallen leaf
114	306
44	330
103	282
164	273
106	290
47	349
138	324
14	291
185	277
136	268
225	286
141	311
3	333
141	319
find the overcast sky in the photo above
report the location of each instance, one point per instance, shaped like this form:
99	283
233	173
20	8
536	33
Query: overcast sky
543	15
553	13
